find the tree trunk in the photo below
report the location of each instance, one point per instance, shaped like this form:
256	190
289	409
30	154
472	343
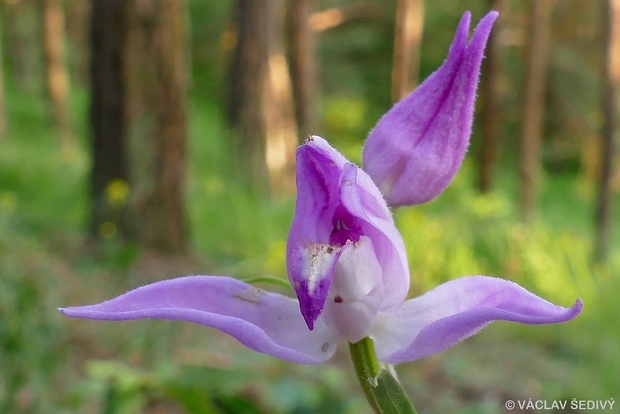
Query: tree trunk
260	106
282	134
23	42
611	82
304	65
407	39
109	212
77	12
138	116
490	110
157	80
250	68
57	81
534	103
3	120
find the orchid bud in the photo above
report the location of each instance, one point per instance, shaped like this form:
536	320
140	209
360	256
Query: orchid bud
417	147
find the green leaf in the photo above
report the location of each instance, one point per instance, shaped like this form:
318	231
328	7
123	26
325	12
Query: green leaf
382	389
267	279
390	396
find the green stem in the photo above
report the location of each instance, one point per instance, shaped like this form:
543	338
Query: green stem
381	387
367	368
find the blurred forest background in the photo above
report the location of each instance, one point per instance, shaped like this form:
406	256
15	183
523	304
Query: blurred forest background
147	139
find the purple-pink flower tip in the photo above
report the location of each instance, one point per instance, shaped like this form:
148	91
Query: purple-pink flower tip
417	147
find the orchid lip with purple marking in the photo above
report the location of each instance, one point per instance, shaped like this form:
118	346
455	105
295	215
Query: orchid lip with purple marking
337	205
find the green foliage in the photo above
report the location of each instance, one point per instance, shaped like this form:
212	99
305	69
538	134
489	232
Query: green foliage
198	390
42	184
479	234
31	340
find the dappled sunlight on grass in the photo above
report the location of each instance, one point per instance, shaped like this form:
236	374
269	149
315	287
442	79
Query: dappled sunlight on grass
239	231
40	177
466	233
345	124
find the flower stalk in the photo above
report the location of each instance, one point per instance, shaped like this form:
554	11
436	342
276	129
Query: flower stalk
381	388
367	368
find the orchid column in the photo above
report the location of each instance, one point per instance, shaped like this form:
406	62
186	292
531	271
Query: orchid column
346	259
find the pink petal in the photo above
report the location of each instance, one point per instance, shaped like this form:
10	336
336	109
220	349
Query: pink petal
364	201
356	293
456	310
417	147
265	322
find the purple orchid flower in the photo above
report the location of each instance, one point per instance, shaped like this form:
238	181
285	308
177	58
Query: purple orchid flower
347	263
